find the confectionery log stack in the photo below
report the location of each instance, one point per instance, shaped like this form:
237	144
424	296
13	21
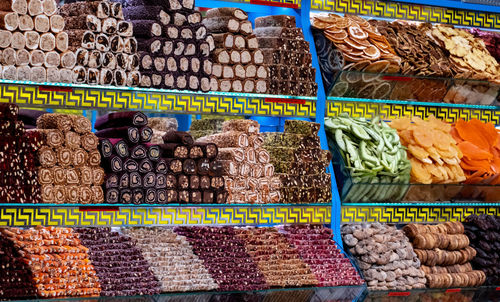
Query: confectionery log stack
225	257
445	254
484	235
172	260
237	59
174	46
69	170
160	126
248	174
385	256
129	161
119	264
317	249
300	163
33	43
276	259
205	127
56	263
105	48
287	56
18	172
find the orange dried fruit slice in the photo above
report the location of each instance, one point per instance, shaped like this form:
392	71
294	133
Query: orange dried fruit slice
418	152
354	44
419	173
400	124
423	137
377	67
357	33
360	65
332	29
372	51
406	137
337	35
362	42
434	154
451	152
319	24
350	58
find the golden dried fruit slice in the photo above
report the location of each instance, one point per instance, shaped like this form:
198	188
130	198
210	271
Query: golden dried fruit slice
372	52
423	137
451	152
333	29
418	152
419	173
319	24
350	58
406	137
338	35
434	154
401	124
354	44
360	65
377	67
357	33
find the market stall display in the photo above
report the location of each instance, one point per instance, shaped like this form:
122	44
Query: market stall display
385	256
205	127
299	162
445	254
69	168
483	233
237	59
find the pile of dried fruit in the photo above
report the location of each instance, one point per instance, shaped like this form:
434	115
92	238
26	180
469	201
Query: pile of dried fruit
359	41
420	54
433	153
480	145
468	55
374	158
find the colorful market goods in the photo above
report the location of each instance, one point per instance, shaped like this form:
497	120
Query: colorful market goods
51	262
361	43
18	152
373	154
468	55
491	40
445	254
238	63
105	48
480	145
385	256
484	235
433	153
300	163
69	162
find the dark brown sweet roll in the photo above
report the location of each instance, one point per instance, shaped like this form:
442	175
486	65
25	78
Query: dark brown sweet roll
189	166
161	166
106	147
174	150
72	176
112	196
183	182
150	196
72	140
145	166
64	156
86	176
9	111
183	196
161	196
98	176
154	152
112	181
138	152
149	180
53	137
210	150
208	196
194	182
217	182
175	166
161	181
124	182
179	137
80	157
47	157
72	194
221	197
89	141
94	158
126	196
203	166
131	134
135	180
113	164
59	121
146	134
138	196
130	165
45	176
196	197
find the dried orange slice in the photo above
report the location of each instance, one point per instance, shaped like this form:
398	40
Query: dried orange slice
339	89
360	65
319	24
400	124
362	42
357	33
354	44
423	137
350	58
333	29
357	19
372	52
377	67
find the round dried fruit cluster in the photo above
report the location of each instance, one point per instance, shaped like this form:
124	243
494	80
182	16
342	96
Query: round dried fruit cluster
357	39
469	55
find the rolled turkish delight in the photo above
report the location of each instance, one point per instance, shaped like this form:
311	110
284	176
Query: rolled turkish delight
222	24
227	11
275	21
302	127
228	139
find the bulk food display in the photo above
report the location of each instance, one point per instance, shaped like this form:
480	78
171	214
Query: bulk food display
163	150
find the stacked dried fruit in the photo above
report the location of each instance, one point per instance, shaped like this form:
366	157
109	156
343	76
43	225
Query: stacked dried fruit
468	55
359	41
57	262
433	153
480	144
444	252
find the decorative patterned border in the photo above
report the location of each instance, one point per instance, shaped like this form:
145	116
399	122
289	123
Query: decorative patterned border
396	10
156	216
82	98
393	111
357	214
